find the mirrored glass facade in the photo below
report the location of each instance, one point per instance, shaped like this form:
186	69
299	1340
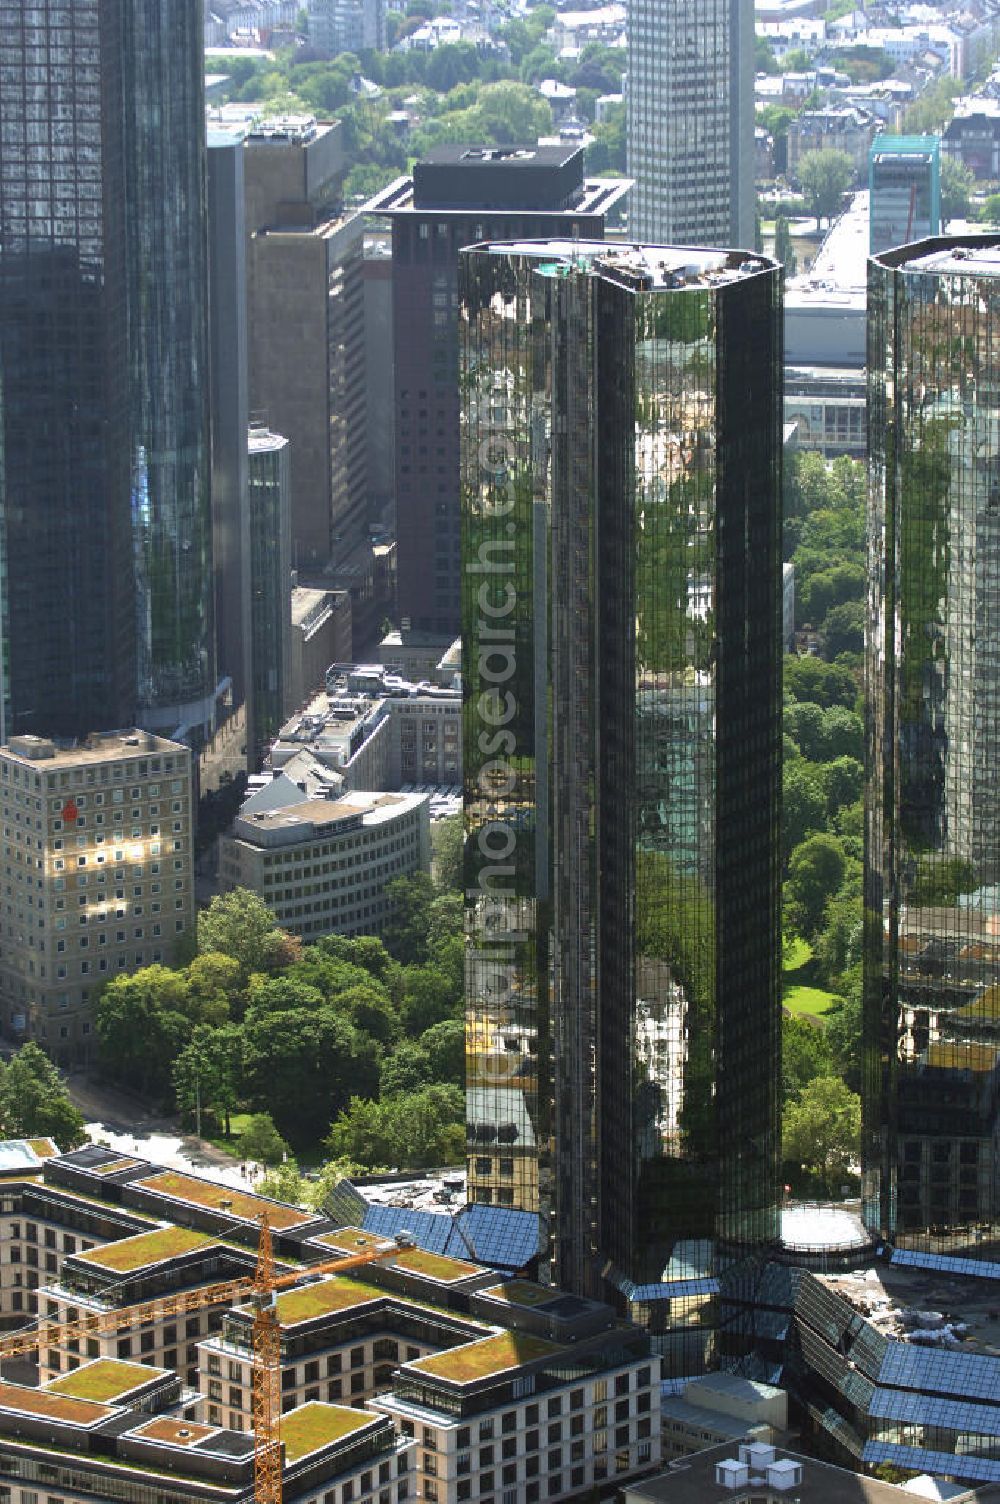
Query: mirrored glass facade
166	230
68	622
621	636
932	898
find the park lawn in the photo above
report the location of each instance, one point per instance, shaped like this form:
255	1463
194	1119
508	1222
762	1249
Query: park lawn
238	1121
799	952
802	1001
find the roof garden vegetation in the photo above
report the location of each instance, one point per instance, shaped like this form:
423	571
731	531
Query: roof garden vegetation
145	1248
435	1265
309	1427
323	1298
222	1198
51	1406
103	1380
483	1360
521	1292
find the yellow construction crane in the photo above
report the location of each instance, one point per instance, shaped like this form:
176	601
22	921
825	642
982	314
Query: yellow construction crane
261	1292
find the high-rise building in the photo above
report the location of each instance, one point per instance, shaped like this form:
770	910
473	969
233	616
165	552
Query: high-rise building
307	352
269	550
690	121
110	835
458	195
904	182
931	1115
68	617
621	589
104	366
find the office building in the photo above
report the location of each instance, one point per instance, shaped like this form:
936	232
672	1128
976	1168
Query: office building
690	121
270	581
104	368
68	623
165	203
306	340
904	184
347	26
230	410
458	195
322	865
932	964
107	824
622	639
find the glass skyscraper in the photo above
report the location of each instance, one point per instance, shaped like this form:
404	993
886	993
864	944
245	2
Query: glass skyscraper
690	120
932	897
621	594
67	606
104	365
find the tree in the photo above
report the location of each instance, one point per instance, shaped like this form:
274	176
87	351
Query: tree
447	848
407	1069
803	803
240	925
844	629
815	872
424	1128
429	997
408	917
285	1183
208	1072
825	684
843	780
303	1066
957	183
843	1031
512	114
821	1130
825	177
261	1141
445	1047
214	986
783	249
989	214
34	1102
805	1054
142	1024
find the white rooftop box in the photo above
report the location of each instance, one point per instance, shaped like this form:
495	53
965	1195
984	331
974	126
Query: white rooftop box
756	1455
732	1474
784	1474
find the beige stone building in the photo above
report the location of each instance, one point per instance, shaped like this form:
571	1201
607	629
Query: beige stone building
97	876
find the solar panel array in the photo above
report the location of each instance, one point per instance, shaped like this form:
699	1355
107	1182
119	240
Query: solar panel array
977	1268
963	1465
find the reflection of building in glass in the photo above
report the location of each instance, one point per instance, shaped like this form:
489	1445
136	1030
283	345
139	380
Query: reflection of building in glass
622	624
270	549
904	181
932	1001
691	120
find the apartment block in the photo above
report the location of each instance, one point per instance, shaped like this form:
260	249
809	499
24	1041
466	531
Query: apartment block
97	876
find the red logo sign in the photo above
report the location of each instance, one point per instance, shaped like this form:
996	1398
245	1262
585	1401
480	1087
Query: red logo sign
70	810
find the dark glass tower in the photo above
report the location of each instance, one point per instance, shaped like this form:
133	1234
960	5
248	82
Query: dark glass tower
932	899
163	98
621	633
104	365
68	616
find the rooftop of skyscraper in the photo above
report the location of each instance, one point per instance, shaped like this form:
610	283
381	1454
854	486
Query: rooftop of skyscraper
956	256
645	267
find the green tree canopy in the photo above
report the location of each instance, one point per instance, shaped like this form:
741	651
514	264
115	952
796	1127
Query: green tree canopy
303	1065
815	871
805	1054
34	1102
821	1130
261	1141
142	1024
957	183
240	925
422	1128
825	177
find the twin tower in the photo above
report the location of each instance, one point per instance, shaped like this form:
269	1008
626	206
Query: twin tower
622	632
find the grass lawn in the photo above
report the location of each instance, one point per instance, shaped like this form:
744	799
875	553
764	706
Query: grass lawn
237	1122
799	952
801	1001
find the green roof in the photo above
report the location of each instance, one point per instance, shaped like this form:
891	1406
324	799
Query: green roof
144	1248
104	1380
323	1298
222	1198
482	1360
521	1292
309	1427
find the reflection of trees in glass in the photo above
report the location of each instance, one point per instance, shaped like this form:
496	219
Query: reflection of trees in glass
924	562
675	921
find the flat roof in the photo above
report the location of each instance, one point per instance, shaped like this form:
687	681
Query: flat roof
315	1425
965	256
419	1261
224	1199
146	1248
324	1298
45	1405
19	1154
485	1358
40	752
595	196
105	1379
178	1433
663	267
